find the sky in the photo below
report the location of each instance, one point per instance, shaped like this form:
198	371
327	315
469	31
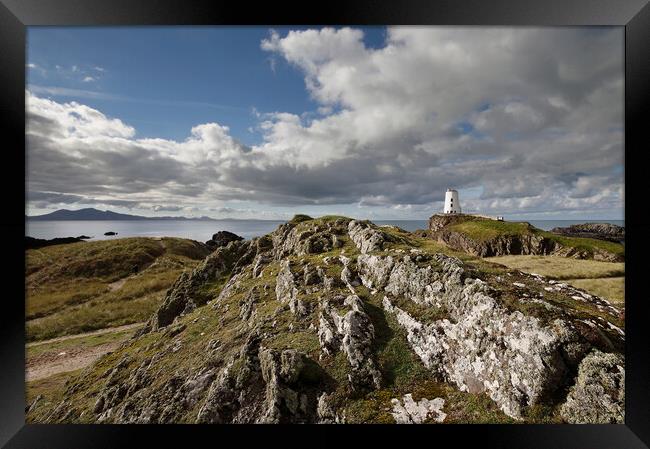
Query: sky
368	122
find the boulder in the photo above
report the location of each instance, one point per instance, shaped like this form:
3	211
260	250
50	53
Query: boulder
222	238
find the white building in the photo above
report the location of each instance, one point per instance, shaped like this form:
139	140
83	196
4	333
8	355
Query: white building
452	203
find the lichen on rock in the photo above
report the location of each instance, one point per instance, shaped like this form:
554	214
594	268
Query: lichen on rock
408	411
598	395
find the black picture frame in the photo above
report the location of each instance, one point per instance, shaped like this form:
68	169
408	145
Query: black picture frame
16	15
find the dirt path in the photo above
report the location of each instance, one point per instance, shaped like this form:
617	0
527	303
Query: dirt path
49	363
87	334
114	286
71	357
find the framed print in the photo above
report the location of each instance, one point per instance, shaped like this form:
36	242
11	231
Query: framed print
363	216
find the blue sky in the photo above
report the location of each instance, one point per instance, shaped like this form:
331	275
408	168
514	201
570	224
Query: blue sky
164	80
370	122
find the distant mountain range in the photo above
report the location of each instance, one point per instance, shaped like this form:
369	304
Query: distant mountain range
107	215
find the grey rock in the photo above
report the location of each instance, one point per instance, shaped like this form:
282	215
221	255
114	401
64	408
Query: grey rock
366	236
481	347
408	411
248	303
602	231
286	289
598	396
222	238
188	286
282	403
353	333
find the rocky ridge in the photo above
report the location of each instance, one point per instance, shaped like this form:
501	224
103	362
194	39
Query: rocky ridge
602	231
336	320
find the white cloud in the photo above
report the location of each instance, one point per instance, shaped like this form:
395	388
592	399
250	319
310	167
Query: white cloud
533	117
88	79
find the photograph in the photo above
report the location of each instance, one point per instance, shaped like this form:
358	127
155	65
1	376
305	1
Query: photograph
336	224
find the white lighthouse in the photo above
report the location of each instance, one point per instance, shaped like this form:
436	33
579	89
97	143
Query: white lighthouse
452	203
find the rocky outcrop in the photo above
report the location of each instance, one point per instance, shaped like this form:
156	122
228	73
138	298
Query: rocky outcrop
307	237
189	290
601	231
286	290
262	390
481	347
500	246
281	370
598	395
300	331
222	238
527	240
440	221
353	333
366	236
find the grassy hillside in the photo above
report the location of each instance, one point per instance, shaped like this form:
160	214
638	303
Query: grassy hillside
84	286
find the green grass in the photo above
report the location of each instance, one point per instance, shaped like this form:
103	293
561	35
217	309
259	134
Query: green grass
484	229
52	297
51	389
557	267
604	279
299	218
330	218
612	288
92	316
586	244
70	290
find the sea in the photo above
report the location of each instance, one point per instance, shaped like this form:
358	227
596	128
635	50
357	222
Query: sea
203	230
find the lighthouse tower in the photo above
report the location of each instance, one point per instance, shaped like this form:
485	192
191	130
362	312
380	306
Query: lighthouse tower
452	203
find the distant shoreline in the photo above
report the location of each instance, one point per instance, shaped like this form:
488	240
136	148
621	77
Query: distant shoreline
202	230
37	218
